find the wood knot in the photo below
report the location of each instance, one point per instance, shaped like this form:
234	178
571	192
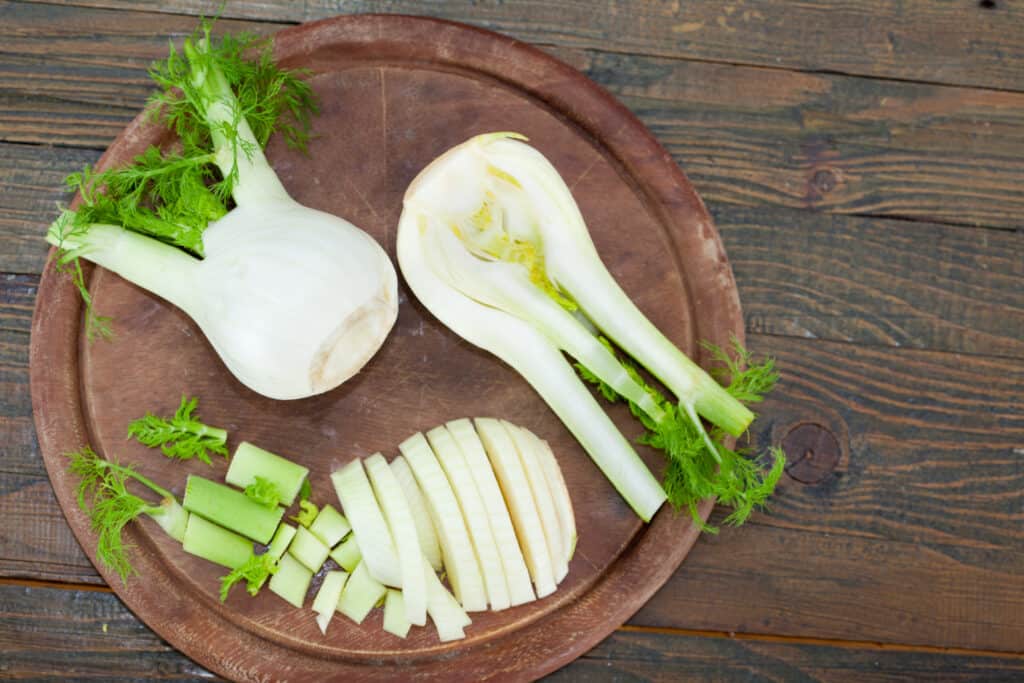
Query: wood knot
812	453
824	181
987	4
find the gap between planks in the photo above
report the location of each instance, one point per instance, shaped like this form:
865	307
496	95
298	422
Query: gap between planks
656	630
608	47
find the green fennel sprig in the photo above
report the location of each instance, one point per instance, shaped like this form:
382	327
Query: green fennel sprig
173	195
182	436
264	492
695	472
254	572
103	495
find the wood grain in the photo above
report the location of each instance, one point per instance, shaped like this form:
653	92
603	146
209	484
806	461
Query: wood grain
959	42
921	514
750	136
87	635
31	187
864	280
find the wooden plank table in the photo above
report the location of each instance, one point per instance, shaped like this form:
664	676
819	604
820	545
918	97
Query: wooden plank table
864	163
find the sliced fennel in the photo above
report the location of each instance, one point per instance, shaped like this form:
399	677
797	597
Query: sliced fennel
493	244
559	493
445	611
459	558
294	300
515	486
371	532
403	531
421	514
291	581
454	464
361	593
308	549
282	539
347	554
542	497
396	621
516	573
329	526
325	604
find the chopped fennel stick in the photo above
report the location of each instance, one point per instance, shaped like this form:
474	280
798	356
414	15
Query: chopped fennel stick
403	531
347	554
291	582
215	544
250	462
308	549
231	509
376	546
329	526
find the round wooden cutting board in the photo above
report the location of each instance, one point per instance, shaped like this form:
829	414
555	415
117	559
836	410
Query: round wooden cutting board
395	93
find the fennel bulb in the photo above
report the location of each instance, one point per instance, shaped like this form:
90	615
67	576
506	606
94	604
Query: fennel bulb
492	242
294	300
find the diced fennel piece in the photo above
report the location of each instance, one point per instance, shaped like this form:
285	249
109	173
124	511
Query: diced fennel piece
459	558
403	532
515	486
542	497
425	532
368	526
329	595
395	621
231	508
172	518
329	526
529	352
308	549
516	574
252	461
361	593
282	539
291	581
214	543
559	492
325	604
448	616
453	462
347	554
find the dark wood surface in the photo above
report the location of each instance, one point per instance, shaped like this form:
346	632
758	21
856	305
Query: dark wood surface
868	198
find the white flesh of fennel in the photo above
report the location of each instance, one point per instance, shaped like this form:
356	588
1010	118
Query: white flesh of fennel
449	191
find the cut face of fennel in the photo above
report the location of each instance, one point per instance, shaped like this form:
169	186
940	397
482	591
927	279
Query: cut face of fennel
515	341
493	243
